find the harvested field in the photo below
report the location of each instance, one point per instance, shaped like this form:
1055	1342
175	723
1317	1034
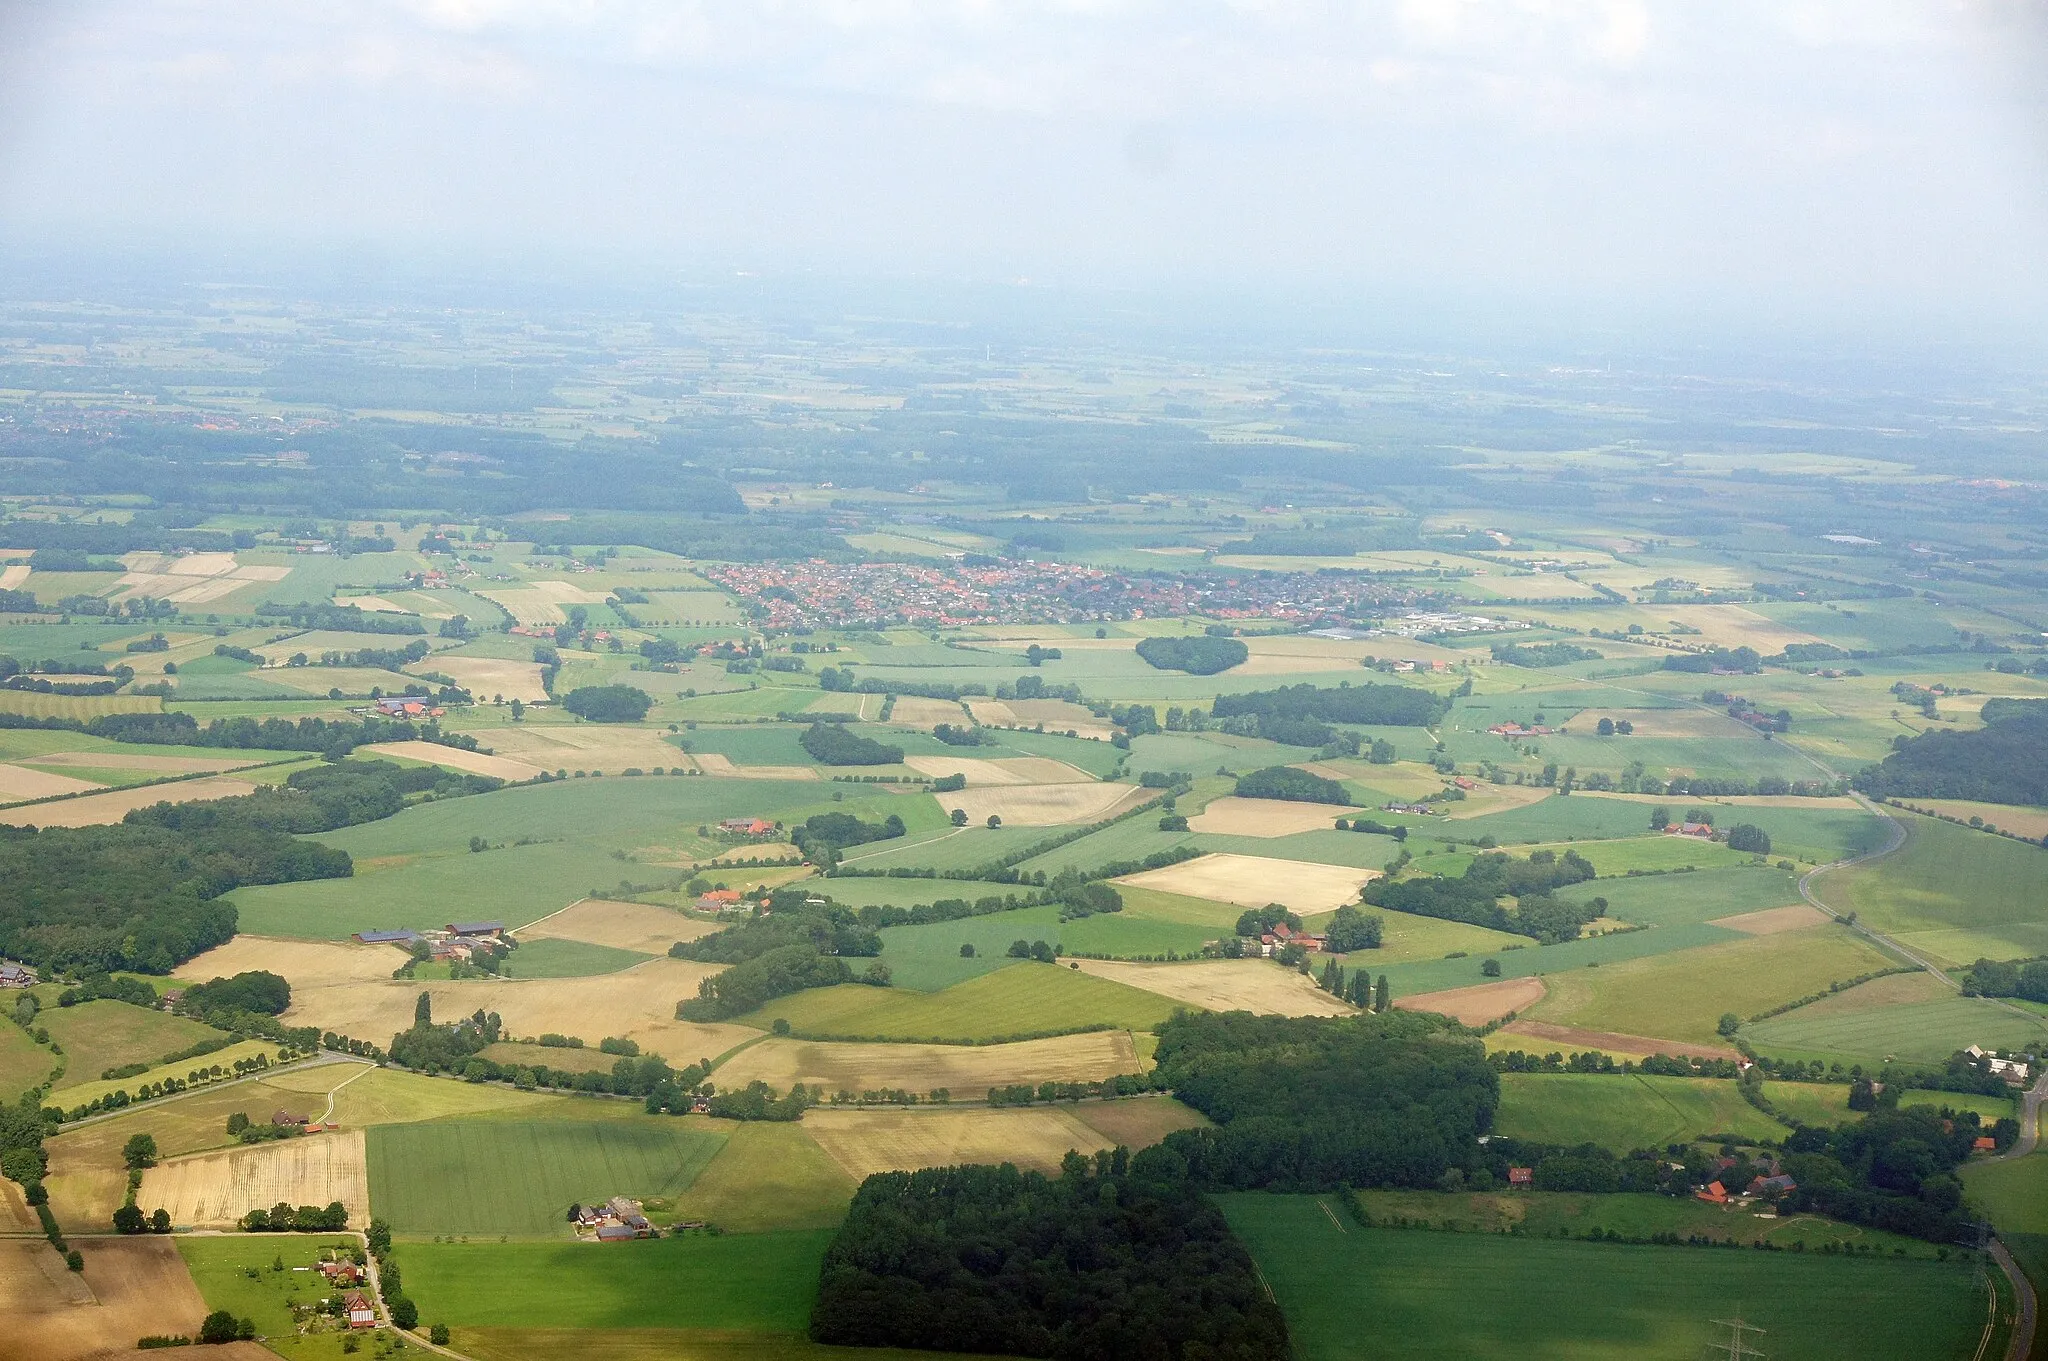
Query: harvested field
489	677
712	764
1772	920
1058	715
165	765
1011	770
1255	985
902	1140
917	712
12	575
1480	1004
623	926
967	1071
97	810
1255	880
455	758
19	782
1043	805
1837	803
303	963
131	1288
1232	816
214	1190
638	1003
1139	1121
2031	823
1496	798
1734	626
1572	1039
1899	989
563	746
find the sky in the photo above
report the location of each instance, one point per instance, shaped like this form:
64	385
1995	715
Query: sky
1840	159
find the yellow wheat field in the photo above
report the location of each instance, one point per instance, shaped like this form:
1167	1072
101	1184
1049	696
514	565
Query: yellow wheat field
1255	985
95	810
1043	805
624	926
1233	816
967	1071
213	1190
902	1140
1255	880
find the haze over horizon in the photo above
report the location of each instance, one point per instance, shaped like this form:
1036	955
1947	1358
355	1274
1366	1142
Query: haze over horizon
1811	165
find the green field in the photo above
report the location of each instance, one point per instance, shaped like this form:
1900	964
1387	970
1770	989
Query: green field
962	849
96	1036
1955	893
1558	961
1917	1032
756	1282
2014	1196
552	958
1626	1111
1351	1292
1671	899
770	1175
23	1062
492	1177
927	958
239	1273
1028	999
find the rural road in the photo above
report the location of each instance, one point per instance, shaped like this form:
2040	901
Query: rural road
320	1060
1895	837
2022	1346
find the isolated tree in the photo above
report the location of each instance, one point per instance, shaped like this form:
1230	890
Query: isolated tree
967	951
1660	818
423	1010
139	1151
404	1313
238	1122
160	1222
994	821
128	1219
1728	1024
1605	727
1490	968
1383	997
218	1327
1747	837
518	711
959	817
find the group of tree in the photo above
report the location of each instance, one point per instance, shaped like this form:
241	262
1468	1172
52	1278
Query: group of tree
1374	704
1542	654
822	836
774	973
608	703
1285	782
2026	979
433	1048
251	992
961	734
1745	660
796	944
1474	897
321	798
1198	656
1114	1258
832	745
284	1218
2005	761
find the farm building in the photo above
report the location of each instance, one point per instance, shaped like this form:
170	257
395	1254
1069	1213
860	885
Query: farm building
1704	830
616	1221
357	1309
283	1118
1282	936
746	826
1772	1186
1984	1143
491	929
2012	1070
16	976
718	899
399	707
401	936
1521	1176
1714	1193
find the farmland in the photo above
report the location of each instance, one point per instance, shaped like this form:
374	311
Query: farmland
419	1173
967	1071
214	1190
1954	892
222	1270
1027	999
1354	1292
100	1035
1624	1112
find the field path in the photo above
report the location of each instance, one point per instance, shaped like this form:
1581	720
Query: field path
329	1113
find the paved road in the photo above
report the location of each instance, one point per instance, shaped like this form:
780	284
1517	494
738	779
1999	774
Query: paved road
1895	837
323	1058
2022	1346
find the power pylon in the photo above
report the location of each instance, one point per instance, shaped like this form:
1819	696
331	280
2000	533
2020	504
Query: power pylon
1734	1348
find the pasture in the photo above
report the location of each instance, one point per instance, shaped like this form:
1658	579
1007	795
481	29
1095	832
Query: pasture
769	1176
96	1036
213	1190
967	1071
1352	1292
1672	899
1254	881
1915	1032
424	1178
239	1273
553	957
1953	892
1626	1111
23	1062
1027	999
892	1139
1254	985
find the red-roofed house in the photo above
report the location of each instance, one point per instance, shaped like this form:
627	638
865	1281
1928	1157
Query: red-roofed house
1521	1176
1714	1193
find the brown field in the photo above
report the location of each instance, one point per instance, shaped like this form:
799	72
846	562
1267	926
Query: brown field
1403	779
1479	1004
1772	920
637	1003
1893	990
712	764
213	1190
1255	880
1058	715
967	1071
1013	770
19	782
166	765
2028	822
130	1288
455	758
1495	798
900	1139
1734	626
562	746
624	926
304	963
1044	805
1255	985
95	810
15	1214
489	677
1139	1121
1233	816
1572	1039
914	711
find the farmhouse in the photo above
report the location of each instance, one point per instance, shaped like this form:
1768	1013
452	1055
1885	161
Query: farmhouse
2012	1070
1714	1193
718	899
16	976
746	826
357	1309
1703	830
1419	809
1984	1143
616	1221
1282	936
1521	1176
1773	1186
398	707
1520	730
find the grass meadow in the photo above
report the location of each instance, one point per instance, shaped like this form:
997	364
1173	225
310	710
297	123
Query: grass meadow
1625	1111
552	958
1553	961
23	1062
1917	1032
518	1178
768	1177
927	958
1352	1292
1950	891
1674	899
221	1268
1028	999
96	1036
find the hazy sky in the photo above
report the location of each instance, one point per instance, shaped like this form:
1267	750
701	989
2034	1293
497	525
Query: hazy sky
1811	156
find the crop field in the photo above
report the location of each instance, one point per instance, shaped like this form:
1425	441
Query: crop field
747	1283
551	957
1027	999
769	1176
1233	816
1132	839
305	963
927	958
1625	1111
1589	952
455	758
1652	854
82	707
1253	881
1774	920
213	1190
20	782
1479	1004
1405	937
1254	985
96	1036
1919	1032
1542	1037
95	810
1683	997
1670	899
1351	1292
639	1006
1956	893
1010	770
424	1178
1157	905
619	925
386	1096
962	848
861	892
897	1139
967	1071
1043	805
131	1288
